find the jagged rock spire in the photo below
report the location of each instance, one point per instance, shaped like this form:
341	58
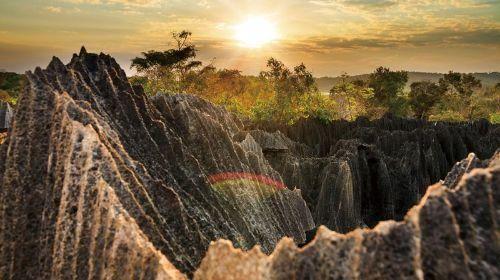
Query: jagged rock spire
93	167
99	181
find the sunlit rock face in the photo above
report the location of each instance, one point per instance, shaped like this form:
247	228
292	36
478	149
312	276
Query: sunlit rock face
98	181
5	115
355	174
451	234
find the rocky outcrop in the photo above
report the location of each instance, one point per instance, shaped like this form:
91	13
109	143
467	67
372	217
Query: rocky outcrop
98	181
5	116
451	234
355	174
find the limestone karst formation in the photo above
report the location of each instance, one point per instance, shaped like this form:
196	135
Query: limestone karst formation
359	173
98	180
5	115
451	234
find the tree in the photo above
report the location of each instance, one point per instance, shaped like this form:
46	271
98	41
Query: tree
294	95
423	96
388	88
11	85
461	89
353	97
166	70
294	90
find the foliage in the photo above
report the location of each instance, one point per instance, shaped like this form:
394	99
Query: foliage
167	70
462	90
285	94
294	90
484	103
423	96
10	86
354	98
388	88
495	118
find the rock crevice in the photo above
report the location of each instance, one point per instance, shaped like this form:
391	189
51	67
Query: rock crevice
100	181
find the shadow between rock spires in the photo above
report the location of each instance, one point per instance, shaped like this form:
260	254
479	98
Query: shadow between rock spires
98	181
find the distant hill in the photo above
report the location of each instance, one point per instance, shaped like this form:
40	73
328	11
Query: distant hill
487	79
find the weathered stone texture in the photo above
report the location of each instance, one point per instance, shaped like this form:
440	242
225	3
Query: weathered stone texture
451	234
5	115
97	180
354	174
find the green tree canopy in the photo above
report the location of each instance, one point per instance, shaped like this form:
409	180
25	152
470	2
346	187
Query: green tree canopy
166	70
289	83
295	94
461	90
464	85
180	57
388	88
423	96
353	97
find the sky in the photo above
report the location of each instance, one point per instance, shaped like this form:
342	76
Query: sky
329	36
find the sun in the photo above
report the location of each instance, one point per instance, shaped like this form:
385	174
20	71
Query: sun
255	32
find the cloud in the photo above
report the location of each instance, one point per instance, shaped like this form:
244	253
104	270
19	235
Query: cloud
358	4
465	4
334	42
143	3
135	2
60	10
448	36
369	4
204	4
55	10
436	38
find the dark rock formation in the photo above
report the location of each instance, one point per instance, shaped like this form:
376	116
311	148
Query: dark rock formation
5	116
97	180
451	234
359	173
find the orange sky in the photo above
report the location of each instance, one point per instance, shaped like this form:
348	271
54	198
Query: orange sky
329	36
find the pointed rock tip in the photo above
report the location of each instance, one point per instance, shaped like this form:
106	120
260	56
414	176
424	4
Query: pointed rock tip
83	51
38	70
55	64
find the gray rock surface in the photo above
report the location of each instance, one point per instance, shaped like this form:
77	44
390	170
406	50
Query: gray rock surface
5	115
99	181
354	174
89	159
451	234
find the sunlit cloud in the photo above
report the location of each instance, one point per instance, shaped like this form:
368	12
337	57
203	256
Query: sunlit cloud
52	9
361	4
144	3
328	35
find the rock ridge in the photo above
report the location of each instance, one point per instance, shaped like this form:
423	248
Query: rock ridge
355	174
100	181
451	234
89	159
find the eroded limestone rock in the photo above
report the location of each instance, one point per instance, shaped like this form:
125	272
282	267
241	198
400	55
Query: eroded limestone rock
98	180
5	116
450	234
355	174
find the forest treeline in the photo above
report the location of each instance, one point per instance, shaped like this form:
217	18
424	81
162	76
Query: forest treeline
286	94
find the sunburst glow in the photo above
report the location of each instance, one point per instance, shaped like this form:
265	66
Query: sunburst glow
255	32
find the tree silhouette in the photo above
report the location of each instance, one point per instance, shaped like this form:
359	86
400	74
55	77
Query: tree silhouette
423	96
387	87
462	89
167	69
